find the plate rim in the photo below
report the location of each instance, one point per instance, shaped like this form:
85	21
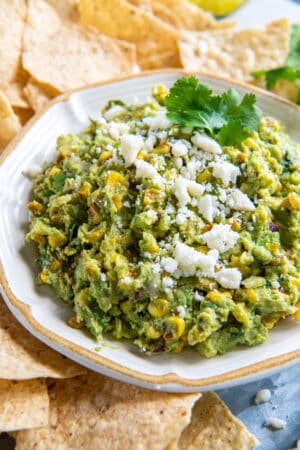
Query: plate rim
97	359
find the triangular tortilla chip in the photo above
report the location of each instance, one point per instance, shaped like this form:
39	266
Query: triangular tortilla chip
191	17
214	427
236	53
23	114
39	94
9	123
23	404
12	17
120	19
68	55
23	357
95	412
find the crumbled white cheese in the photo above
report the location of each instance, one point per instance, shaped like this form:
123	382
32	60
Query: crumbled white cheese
167	282
156	267
239	201
221	237
146	170
180	218
198	297
275	285
179	148
181	311
206	207
116	129
114	112
206	143
130	146
229	278
275	423
195	189
189	260
262	396
103	277
152	214
178	162
158	122
169	264
226	171
150	142
183	187
126	280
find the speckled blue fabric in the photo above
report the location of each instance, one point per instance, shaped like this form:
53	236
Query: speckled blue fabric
284	404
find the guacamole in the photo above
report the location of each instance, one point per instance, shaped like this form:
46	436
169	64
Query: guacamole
158	234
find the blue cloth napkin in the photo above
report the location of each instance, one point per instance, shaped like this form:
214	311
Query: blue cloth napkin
284	404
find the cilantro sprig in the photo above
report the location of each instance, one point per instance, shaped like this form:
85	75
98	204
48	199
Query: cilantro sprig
291	70
226	117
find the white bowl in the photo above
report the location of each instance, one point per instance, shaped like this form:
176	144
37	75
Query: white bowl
45	317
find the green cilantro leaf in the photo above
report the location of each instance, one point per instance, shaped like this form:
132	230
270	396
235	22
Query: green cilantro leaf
226	117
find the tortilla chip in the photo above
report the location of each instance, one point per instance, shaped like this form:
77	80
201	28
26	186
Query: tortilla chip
144	4
68	55
165	14
191	17
93	411
39	94
23	404
9	122
236	53
12	17
167	59
120	19
214	427
23	357
23	114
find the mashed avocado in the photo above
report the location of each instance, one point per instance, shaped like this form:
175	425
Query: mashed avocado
156	234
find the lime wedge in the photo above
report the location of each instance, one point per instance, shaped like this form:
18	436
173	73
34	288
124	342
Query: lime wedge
219	7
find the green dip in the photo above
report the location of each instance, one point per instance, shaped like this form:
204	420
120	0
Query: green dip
156	234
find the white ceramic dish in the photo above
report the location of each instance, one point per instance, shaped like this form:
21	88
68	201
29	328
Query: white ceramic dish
45	317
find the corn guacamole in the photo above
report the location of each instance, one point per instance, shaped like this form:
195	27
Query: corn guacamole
157	234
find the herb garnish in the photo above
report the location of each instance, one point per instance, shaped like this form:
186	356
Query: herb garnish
226	117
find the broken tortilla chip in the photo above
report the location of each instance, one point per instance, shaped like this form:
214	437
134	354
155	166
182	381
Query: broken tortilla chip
68	55
9	122
23	404
24	357
39	94
165	14
23	114
93	411
167	59
12	17
120	19
214	427
191	17
236	53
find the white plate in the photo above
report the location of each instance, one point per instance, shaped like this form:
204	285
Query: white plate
45	317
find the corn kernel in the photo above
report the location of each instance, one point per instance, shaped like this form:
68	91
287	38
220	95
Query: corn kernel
54	170
217	296
153	333
236	226
151	196
296	282
39	239
55	265
35	206
57	240
142	155
117	201
241	157
105	156
178	324
126	306
85	189
72	322
203	176
114	178
292	201
162	149
269	322
296	315
251	295
95	235
158	307
44	276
